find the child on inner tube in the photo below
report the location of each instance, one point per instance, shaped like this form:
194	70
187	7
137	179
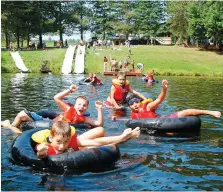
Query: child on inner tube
61	137
92	78
119	91
148	107
71	114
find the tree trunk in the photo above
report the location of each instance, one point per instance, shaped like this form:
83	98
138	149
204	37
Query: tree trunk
28	38
6	39
81	32
178	41
40	39
22	42
17	34
104	35
61	35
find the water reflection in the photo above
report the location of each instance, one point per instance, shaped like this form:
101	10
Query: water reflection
148	163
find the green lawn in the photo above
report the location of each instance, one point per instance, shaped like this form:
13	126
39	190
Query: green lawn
165	60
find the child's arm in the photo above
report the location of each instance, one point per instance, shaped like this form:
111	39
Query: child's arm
110	140
136	93
153	105
60	96
100	120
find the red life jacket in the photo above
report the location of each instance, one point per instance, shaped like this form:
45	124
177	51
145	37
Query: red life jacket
97	81
120	91
142	114
70	116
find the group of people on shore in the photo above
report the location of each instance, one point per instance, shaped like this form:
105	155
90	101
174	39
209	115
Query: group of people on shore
60	136
122	66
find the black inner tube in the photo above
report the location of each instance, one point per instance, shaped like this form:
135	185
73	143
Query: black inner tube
86	160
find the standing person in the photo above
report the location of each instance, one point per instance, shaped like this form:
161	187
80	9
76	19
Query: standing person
70	113
129	48
105	63
119	91
113	64
36	45
133	65
140	66
147	109
120	65
126	62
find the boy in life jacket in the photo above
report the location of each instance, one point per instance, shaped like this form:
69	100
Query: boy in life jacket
119	91
93	79
62	136
147	109
71	114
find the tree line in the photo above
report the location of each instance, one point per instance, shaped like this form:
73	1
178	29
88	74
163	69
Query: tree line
189	22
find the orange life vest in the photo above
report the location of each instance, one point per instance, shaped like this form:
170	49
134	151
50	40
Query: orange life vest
142	114
120	91
70	116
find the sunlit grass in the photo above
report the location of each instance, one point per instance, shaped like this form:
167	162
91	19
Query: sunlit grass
165	60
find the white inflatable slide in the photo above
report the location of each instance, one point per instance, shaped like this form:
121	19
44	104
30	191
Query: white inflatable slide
79	60
68	60
19	62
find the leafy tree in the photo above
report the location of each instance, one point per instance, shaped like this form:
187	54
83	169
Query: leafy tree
103	17
178	20
150	19
213	21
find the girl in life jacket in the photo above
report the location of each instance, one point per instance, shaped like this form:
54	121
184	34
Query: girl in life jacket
147	108
61	137
149	76
119	91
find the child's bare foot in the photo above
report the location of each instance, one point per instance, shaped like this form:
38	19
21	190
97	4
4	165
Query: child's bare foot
216	114
5	124
131	133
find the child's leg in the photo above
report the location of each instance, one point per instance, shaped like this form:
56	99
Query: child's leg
20	117
113	140
6	124
197	112
92	133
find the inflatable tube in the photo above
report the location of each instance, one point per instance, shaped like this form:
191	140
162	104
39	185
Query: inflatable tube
146	80
82	82
52	114
47	124
23	153
165	126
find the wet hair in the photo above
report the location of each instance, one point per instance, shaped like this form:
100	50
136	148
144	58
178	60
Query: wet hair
132	97
82	97
60	128
121	74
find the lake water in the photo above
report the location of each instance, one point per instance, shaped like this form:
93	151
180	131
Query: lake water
147	163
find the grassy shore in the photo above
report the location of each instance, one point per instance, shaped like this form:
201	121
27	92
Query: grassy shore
165	60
